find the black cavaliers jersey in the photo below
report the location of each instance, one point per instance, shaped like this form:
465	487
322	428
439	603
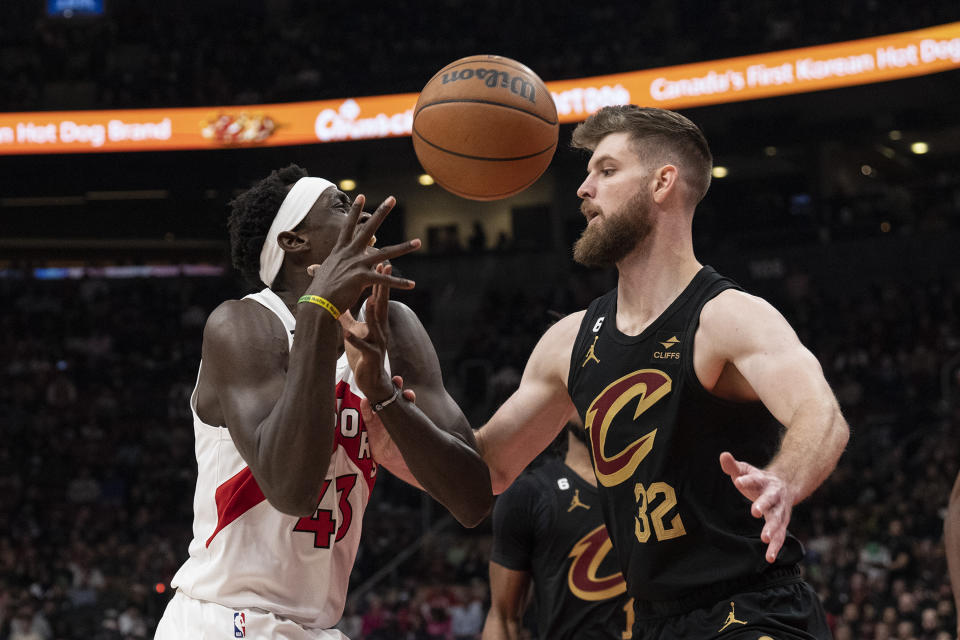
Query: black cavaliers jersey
549	523
677	522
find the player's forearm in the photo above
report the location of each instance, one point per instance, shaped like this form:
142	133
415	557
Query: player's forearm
296	441
811	447
445	466
396	465
501	477
951	540
497	627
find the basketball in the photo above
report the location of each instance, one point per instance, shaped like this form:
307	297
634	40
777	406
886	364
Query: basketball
485	127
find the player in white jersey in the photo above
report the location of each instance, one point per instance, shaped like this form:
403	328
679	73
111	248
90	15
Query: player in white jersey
285	468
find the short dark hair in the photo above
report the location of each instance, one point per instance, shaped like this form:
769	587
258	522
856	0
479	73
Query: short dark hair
251	214
658	135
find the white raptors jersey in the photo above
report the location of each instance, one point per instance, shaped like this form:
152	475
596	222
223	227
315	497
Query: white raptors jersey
247	555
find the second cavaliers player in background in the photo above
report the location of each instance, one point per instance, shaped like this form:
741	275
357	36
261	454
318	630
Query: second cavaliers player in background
548	529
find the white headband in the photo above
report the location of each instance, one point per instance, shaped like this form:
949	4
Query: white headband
294	209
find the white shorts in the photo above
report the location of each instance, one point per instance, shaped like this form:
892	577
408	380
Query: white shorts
189	619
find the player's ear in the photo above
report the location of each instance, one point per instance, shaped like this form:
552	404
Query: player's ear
665	182
293	242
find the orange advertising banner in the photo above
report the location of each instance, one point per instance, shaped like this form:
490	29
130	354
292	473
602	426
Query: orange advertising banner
832	66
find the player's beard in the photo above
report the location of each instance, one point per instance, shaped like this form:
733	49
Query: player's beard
607	242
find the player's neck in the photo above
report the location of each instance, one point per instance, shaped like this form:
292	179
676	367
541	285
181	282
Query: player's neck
290	285
578	459
652	276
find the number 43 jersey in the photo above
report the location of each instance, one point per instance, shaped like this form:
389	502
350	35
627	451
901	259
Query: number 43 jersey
247	555
655	434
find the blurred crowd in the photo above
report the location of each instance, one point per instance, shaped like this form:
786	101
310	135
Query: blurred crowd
97	467
182	53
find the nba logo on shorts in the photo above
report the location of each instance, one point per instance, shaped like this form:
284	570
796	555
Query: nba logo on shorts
239	624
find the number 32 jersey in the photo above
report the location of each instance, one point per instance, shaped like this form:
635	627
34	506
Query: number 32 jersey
676	520
247	555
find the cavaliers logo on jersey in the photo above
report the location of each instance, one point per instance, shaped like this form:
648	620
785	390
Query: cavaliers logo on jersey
647	386
588	554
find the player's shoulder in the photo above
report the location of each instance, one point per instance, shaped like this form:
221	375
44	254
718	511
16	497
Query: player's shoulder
570	323
231	315
410	345
563	332
548	476
732	308
241	323
532	481
555	476
402	319
401	309
529	494
551	356
734	323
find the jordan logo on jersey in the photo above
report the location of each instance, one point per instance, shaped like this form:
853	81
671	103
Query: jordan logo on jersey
731	619
576	502
591	353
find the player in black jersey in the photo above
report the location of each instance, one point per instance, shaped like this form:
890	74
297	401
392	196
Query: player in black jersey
548	528
707	418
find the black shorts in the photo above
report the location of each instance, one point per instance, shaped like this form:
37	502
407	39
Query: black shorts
789	611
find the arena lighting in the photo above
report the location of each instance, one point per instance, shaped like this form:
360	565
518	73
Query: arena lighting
720	172
866	170
770	151
347	184
919	148
425	179
896	134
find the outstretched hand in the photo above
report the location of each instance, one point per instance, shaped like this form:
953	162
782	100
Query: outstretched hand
366	342
350	267
772	499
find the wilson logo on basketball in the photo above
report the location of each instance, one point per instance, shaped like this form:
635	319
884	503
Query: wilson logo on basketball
493	78
588	554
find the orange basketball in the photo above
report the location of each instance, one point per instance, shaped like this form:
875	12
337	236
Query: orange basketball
485	127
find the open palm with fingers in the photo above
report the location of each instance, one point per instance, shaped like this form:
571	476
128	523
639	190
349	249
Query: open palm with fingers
351	266
366	342
771	496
